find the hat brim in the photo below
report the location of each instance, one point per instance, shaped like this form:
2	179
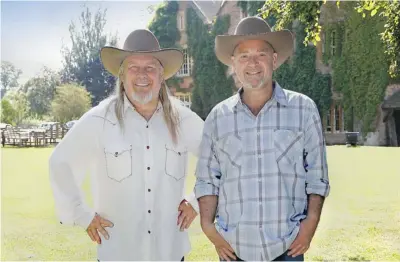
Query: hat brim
281	41
171	59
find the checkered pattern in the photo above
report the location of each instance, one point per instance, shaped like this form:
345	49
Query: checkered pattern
262	168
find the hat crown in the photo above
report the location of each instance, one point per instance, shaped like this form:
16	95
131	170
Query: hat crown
141	40
252	26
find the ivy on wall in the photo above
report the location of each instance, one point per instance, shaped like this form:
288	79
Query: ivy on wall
211	84
360	67
308	12
164	27
164	24
301	75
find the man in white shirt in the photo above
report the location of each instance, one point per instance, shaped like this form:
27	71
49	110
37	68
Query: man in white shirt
135	146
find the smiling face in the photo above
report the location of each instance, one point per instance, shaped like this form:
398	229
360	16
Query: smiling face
142	76
254	62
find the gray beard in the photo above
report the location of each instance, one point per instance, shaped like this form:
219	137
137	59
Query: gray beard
142	99
249	86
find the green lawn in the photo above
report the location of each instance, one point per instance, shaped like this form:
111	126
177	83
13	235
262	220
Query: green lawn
360	221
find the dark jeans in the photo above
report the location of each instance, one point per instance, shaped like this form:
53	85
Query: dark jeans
283	257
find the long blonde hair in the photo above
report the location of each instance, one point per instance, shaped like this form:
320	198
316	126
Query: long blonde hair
171	115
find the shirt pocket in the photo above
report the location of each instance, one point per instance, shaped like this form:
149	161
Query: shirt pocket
118	162
230	148
288	147
175	161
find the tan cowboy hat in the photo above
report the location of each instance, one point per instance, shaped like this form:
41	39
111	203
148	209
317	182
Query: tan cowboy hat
142	41
251	28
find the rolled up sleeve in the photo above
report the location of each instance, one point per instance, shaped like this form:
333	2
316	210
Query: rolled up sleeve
208	171
315	161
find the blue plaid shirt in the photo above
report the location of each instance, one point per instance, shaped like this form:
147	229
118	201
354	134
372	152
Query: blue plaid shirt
262	168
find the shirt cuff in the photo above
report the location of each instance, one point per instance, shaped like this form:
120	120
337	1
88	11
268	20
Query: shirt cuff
193	201
322	189
85	218
206	190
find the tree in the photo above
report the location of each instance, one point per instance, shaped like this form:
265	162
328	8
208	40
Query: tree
164	24
9	77
309	13
164	27
20	105
82	62
40	91
8	113
70	102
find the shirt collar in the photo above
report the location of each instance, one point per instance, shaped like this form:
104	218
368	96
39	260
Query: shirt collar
277	95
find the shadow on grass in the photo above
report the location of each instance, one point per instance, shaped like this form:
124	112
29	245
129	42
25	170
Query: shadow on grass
350	258
357	258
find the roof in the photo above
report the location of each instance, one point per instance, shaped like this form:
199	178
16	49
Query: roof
392	101
209	9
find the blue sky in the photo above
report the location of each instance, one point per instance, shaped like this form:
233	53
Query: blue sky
33	32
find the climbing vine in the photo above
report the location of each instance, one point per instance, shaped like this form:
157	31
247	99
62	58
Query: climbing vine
301	75
308	12
164	24
360	68
209	75
164	27
254	8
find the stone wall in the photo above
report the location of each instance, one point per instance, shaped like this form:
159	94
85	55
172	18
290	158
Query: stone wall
379	137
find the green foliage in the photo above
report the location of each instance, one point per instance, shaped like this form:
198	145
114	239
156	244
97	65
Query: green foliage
253	8
360	71
309	12
40	91
9	77
390	11
300	75
82	63
286	12
211	85
164	27
8	112
20	105
164	24
336	30
70	102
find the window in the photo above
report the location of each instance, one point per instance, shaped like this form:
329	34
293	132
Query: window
333	43
328	121
180	22
337	118
186	68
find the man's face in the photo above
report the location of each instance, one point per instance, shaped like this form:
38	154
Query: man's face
254	62
142	78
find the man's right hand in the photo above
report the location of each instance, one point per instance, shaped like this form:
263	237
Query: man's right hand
97	225
223	248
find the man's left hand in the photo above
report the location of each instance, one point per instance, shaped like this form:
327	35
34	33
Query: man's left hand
186	215
302	242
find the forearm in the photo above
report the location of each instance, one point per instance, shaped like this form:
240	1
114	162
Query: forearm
315	204
208	208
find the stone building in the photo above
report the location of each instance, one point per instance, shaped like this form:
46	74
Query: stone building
387	122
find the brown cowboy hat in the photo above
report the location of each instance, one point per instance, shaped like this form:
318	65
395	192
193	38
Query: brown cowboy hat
253	28
142	41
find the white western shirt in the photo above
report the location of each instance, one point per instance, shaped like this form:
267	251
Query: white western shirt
137	177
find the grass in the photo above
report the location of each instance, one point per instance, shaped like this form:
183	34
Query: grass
360	220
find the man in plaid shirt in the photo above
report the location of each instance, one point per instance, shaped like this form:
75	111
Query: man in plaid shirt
262	172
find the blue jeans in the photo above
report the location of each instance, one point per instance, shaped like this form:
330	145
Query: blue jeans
283	257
